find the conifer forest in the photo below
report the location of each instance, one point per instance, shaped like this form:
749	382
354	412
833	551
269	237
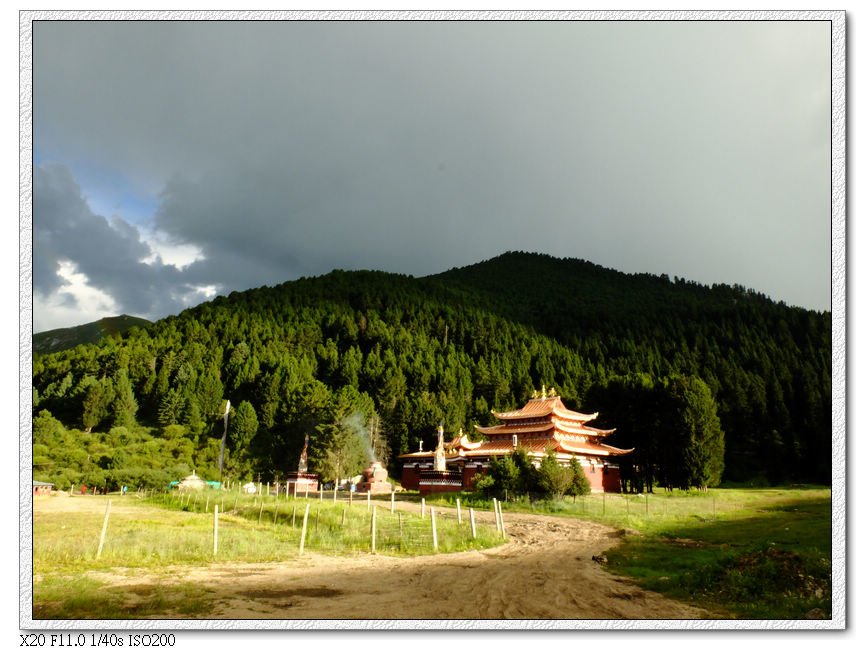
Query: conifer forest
705	383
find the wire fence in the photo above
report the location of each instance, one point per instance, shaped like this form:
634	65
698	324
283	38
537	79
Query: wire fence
220	525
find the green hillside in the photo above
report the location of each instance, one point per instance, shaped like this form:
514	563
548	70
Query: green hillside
68	337
396	355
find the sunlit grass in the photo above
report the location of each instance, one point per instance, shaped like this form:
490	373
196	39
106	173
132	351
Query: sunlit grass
80	597
178	529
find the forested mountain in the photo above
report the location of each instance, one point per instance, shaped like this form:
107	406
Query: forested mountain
397	354
68	337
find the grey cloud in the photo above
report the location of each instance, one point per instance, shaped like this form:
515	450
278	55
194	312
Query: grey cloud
109	254
284	149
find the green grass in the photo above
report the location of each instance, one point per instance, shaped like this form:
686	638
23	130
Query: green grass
739	553
80	597
769	558
165	531
176	529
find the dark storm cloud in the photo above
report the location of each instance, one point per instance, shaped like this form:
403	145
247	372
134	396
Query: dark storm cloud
285	149
110	254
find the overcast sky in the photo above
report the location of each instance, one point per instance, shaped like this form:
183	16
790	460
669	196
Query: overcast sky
178	160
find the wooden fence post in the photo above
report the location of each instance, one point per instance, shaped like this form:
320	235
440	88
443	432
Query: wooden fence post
334	492
303	530
459	512
472	519
391	501
496	512
215	528
372	530
293	514
104	530
261	511
502	520
432	513
207	507
368	500
422	507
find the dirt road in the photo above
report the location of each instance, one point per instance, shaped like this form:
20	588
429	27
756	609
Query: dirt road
545	571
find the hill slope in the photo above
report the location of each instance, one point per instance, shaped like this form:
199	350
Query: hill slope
68	337
406	353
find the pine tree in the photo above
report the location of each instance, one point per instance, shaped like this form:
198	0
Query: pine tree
579	483
124	406
96	403
697	440
553	478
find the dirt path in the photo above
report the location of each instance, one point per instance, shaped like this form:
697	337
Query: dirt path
545	571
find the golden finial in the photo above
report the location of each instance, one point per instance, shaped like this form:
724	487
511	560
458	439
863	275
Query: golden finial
544	391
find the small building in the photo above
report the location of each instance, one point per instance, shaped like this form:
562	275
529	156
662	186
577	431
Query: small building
302	480
374	480
41	488
543	423
192	482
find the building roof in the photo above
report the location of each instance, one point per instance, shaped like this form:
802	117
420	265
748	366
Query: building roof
544	406
516	428
543	423
533	446
461	441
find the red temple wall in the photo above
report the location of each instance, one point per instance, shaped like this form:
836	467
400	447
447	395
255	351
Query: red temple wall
469	474
602	479
410	480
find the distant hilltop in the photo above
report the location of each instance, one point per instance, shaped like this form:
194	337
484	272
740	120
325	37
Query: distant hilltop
66	338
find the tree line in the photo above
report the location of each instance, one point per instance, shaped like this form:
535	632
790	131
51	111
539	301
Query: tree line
391	356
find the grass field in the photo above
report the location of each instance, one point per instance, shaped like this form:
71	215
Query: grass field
162	531
178	529
743	553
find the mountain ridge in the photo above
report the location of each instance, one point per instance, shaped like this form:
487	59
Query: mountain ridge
449	347
63	338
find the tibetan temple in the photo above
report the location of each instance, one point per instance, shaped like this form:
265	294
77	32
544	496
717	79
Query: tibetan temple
543	423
